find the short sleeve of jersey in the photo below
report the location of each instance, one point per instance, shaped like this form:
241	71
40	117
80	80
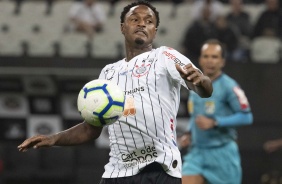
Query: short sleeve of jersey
172	57
237	98
102	74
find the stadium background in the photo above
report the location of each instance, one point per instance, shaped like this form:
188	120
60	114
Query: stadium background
42	70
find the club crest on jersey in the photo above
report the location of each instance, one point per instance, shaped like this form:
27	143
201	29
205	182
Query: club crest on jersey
209	107
142	70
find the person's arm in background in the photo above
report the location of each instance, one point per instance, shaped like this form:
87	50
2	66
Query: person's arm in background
272	145
239	104
77	134
242	113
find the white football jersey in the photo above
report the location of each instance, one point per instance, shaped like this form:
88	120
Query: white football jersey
146	132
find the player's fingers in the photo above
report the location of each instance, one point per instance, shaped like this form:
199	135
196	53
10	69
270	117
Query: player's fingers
25	144
188	66
30	142
190	69
192	76
44	143
197	81
180	70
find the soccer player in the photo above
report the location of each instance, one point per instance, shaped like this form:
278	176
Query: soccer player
143	141
213	155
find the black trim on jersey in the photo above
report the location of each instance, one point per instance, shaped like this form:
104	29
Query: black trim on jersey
122	131
129	130
165	135
135	115
144	111
149	94
163	124
160	108
116	136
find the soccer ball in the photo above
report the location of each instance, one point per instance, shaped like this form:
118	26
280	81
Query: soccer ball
100	102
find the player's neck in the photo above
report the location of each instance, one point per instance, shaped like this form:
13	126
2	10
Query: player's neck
131	52
215	76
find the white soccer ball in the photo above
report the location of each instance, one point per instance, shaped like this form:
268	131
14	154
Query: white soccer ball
100	102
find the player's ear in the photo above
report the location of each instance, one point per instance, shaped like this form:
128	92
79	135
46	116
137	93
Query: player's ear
156	30
200	62
122	28
223	63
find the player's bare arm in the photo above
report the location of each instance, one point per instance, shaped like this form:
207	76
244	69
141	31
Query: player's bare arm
195	80
78	134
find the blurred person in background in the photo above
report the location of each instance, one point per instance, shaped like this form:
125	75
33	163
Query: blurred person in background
271	17
19	3
229	37
18	6
87	16
197	33
213	155
240	20
215	7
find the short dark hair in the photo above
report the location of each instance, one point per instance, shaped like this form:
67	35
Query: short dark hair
216	42
140	2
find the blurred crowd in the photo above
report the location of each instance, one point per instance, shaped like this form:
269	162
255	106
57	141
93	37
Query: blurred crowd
260	42
244	41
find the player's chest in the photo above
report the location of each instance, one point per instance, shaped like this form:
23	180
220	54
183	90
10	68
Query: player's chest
209	105
143	70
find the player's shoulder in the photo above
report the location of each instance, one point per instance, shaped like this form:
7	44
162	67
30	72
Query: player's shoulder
170	53
167	48
228	81
113	65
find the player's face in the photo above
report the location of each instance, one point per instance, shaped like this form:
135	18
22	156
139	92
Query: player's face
139	26
211	60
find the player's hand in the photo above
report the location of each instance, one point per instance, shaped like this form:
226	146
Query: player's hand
190	74
36	142
184	140
273	145
204	122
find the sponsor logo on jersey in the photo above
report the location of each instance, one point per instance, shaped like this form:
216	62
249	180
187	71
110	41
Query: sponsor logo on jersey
130	92
125	72
173	58
129	107
144	155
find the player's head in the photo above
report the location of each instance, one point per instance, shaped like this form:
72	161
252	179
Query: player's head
212	58
139	22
